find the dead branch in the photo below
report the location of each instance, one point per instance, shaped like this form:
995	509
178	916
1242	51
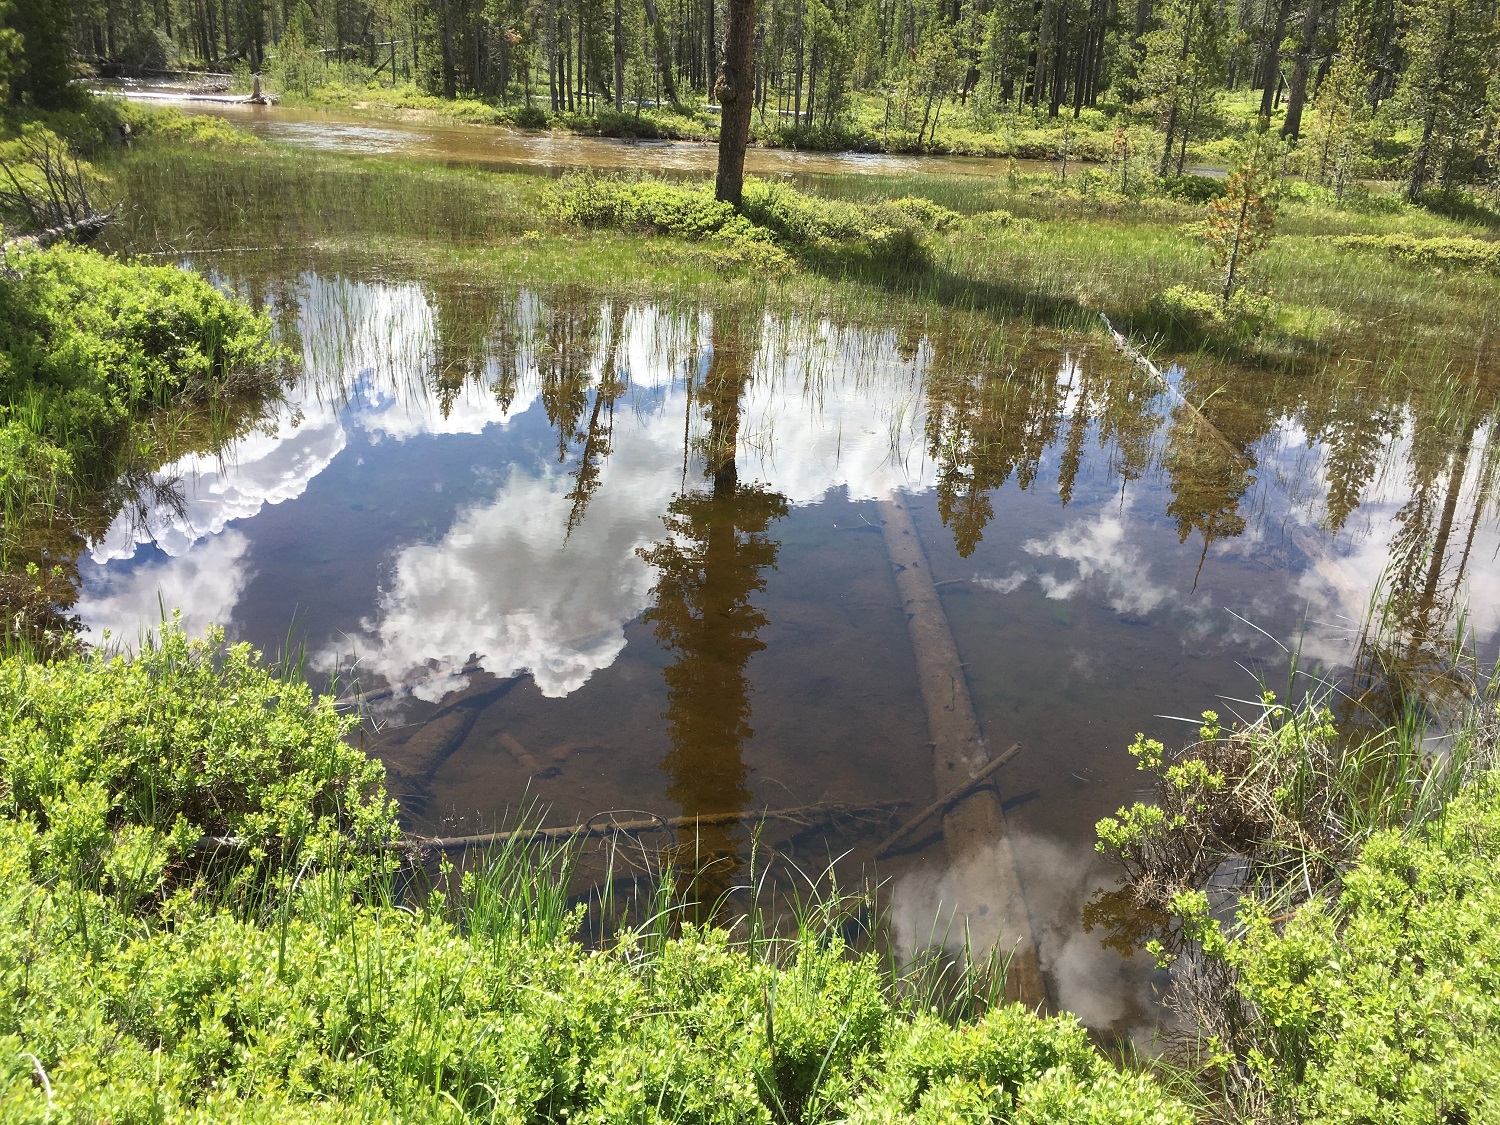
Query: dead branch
45	187
943	802
596	825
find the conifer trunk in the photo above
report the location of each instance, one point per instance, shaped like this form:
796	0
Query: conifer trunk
735	90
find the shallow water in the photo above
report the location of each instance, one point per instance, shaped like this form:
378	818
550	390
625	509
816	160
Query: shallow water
510	150
618	555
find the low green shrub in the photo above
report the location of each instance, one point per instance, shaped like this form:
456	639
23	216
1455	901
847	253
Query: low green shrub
134	989
98	122
123	764
774	218
1248	319
808	222
530	117
1193	189
1382	1003
87	343
1431	253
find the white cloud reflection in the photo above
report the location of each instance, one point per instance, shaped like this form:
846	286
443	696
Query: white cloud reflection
199	585
505	582
826	408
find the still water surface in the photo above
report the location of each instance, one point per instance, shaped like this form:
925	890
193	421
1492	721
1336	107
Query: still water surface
628	555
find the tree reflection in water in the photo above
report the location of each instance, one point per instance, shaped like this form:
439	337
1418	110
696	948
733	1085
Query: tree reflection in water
710	565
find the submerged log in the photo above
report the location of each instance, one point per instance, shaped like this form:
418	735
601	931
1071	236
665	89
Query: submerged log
596	825
943	802
974	822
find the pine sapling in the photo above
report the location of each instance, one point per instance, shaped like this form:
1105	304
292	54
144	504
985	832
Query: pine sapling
1242	220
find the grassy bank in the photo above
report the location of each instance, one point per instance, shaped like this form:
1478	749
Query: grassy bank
1025	246
1323	880
301	973
108	369
1024	135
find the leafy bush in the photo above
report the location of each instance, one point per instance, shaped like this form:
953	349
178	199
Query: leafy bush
1248	320
1383	1002
1432	253
881	230
124	764
774	216
88	343
1193	189
134	993
531	117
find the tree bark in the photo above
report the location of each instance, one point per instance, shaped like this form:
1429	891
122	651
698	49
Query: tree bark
735	90
1271	63
1296	95
619	57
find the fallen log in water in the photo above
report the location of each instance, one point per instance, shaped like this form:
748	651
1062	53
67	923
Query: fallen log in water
1136	356
596	825
943	802
974	820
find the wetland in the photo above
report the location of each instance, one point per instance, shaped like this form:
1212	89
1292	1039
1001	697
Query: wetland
591	521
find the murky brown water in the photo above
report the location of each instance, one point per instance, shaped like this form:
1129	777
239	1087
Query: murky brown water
613	555
503	149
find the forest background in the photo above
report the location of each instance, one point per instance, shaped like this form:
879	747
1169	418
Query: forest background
1403	90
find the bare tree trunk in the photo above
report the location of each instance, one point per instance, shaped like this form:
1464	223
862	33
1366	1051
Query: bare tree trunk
713	50
735	90
1296	96
619	57
1271	61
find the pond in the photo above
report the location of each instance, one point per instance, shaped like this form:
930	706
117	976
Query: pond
608	554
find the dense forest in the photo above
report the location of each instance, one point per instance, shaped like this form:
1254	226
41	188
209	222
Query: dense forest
1409	89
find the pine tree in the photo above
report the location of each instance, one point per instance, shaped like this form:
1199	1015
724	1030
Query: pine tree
1451	47
1182	70
1342	120
1242	220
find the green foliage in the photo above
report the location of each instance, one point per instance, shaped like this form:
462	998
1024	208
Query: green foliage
88	343
774	218
136	988
1430	253
1245	320
1382	1002
96	124
1242	220
1287	796
531	117
113	758
1193	189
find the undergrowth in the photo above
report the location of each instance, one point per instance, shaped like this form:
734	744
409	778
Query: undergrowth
143	984
1325	893
775	221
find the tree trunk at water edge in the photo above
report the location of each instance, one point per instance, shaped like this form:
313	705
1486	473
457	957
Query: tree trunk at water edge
735	90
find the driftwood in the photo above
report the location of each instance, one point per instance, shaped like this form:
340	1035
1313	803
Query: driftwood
596	825
943	802
83	232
